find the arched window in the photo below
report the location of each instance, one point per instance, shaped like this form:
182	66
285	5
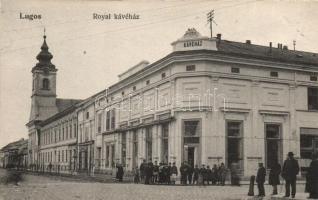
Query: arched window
46	84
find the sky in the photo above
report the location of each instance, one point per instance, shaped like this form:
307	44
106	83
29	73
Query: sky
90	53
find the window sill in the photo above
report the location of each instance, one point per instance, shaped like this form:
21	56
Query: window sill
308	111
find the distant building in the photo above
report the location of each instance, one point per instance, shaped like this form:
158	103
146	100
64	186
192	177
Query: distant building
52	125
209	101
14	155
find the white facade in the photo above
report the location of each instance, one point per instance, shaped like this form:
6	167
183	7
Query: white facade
203	104
252	103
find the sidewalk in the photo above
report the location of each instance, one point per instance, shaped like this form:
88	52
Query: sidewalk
299	196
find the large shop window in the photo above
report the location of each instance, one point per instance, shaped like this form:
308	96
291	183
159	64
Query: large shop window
308	142
113	119
149	143
165	143
191	141
273	144
313	98
113	154
107	156
135	149
123	149
234	143
191	131
86	133
99	123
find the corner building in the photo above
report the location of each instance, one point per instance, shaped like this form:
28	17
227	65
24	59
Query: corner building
212	101
209	101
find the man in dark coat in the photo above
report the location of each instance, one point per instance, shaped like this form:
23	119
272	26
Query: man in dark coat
289	172
273	178
149	173
203	175
120	173
214	174
155	173
166	174
196	172
209	174
222	174
169	173
190	173
260	179
174	173
183	172
142	170
312	178
161	173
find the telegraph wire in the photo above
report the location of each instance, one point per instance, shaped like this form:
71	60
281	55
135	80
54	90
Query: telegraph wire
81	20
134	27
78	20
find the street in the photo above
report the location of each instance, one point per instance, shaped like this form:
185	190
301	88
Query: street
35	187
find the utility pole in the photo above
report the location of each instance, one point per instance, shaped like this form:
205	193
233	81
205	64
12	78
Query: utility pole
210	19
294	43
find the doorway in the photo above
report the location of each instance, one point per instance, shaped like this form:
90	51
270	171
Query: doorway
273	144
191	156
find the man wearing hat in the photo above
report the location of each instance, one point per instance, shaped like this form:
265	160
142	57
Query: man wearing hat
289	173
260	179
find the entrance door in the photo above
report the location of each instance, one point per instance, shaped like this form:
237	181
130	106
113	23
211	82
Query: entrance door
273	144
191	157
316	145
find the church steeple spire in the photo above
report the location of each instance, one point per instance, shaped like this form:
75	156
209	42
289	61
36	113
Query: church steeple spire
44	85
44	57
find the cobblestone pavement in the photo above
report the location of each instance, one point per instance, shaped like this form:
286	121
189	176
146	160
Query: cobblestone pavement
41	187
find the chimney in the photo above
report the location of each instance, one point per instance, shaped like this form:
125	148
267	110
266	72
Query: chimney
285	47
248	42
270	47
280	46
219	36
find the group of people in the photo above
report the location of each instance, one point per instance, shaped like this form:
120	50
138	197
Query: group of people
289	172
204	175
154	173
162	173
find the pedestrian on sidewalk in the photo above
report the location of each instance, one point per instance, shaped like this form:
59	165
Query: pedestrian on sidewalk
174	173
214	174
190	173
235	178
273	178
136	175
120	172
155	173
169	173
312	178
260	179
222	174
209	175
289	173
183	172
148	173
196	172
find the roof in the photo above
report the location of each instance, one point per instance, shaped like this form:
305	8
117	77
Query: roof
15	145
63	104
238	49
265	52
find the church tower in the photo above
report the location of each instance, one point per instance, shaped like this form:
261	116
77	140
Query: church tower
43	99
